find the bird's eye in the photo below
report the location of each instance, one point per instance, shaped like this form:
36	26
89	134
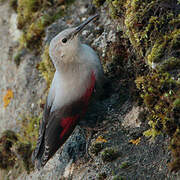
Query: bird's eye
64	40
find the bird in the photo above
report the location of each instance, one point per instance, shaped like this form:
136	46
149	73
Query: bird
78	75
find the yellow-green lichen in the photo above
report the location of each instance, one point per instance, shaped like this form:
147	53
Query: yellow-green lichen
46	67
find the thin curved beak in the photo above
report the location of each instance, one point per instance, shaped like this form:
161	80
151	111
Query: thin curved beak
81	26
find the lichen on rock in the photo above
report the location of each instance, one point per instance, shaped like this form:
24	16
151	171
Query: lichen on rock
46	67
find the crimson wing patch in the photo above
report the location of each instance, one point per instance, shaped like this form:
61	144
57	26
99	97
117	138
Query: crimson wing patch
58	125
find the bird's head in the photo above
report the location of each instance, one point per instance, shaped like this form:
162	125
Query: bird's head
65	46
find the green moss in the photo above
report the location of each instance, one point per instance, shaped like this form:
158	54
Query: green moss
26	10
115	59
27	138
96	147
157	52
124	165
46	67
156	90
169	64
7	156
118	178
163	47
174	165
16	148
98	3
17	58
15	156
29	130
25	151
148	100
10	136
34	16
153	36
109	154
116	7
161	96
176	103
13	4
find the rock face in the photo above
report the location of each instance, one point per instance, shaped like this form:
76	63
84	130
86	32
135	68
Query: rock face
116	147
25	81
7	68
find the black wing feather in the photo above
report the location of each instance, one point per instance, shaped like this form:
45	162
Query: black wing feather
50	129
54	130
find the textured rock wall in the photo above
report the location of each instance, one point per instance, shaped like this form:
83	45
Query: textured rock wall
117	148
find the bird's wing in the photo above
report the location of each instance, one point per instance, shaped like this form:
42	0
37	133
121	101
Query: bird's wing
57	126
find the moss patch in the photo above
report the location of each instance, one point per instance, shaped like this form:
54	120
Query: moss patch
98	3
152	28
13	4
161	96
154	32
16	148
34	16
109	154
29	126
7	157
46	67
96	147
124	165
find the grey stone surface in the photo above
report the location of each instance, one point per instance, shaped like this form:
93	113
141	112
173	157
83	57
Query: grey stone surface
25	81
